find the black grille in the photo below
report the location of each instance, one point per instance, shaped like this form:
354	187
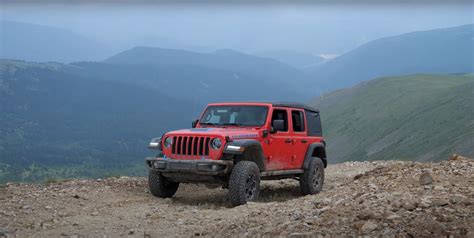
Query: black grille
191	145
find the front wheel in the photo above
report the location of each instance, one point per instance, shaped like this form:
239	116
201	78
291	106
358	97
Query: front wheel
312	180
161	186
244	183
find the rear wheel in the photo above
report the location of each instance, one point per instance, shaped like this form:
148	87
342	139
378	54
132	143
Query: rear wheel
244	183
161	186
312	180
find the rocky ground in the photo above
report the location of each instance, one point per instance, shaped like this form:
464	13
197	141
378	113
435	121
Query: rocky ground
389	198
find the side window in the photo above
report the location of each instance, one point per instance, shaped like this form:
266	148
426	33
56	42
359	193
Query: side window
298	121
280	115
314	123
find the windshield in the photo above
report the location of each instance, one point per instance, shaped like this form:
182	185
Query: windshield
234	115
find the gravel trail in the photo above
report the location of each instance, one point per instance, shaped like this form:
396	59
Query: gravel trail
359	198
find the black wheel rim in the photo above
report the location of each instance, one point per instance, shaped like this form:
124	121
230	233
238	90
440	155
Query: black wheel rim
317	177
250	187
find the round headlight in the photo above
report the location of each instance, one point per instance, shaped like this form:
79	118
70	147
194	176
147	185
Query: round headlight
216	143
168	142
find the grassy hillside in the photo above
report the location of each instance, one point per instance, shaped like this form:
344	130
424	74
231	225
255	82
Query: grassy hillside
419	117
439	51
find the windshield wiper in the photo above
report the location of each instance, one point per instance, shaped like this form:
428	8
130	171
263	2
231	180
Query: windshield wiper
210	124
233	124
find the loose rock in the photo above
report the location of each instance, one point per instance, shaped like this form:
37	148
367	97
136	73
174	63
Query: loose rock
369	226
425	178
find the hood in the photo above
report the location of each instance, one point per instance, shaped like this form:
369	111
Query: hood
231	132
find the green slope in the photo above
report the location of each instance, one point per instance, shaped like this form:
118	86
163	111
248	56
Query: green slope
419	117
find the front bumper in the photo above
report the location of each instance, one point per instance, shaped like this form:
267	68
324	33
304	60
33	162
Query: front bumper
199	167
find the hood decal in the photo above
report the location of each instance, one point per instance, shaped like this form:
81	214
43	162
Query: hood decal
241	136
201	129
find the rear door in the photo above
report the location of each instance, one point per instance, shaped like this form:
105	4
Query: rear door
299	137
280	148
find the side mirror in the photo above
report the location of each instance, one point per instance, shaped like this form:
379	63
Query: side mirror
194	123
278	125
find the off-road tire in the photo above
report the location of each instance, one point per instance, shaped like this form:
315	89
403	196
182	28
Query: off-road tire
244	183
160	186
312	179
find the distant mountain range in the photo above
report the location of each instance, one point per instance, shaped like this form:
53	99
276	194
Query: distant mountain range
32	42
448	50
419	117
443	51
95	118
204	77
298	60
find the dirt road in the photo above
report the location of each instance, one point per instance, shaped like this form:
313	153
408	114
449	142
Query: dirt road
374	198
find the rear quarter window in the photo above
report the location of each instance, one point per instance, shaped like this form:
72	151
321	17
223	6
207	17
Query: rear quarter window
313	122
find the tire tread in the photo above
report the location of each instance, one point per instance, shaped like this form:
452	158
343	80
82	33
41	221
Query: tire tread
306	184
160	187
237	181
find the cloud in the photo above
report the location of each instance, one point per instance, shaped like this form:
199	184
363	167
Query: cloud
328	56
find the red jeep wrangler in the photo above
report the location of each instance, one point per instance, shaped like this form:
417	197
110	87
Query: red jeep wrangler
238	144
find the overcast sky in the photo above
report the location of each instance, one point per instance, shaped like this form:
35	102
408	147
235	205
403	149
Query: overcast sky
316	29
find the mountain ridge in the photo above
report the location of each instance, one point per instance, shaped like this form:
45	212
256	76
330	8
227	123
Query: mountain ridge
438	51
40	43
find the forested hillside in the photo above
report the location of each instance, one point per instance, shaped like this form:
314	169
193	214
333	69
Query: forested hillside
93	119
55	124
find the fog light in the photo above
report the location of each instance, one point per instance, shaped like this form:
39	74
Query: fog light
159	165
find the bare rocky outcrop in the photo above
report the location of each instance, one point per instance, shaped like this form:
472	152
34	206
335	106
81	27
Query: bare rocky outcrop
387	198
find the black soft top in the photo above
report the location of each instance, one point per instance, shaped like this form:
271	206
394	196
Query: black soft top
294	105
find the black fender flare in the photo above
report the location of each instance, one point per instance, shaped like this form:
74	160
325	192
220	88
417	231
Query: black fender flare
250	150
321	148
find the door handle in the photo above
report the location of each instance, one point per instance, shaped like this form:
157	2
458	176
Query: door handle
288	141
304	141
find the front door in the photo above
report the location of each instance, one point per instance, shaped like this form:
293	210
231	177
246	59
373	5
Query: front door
280	146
